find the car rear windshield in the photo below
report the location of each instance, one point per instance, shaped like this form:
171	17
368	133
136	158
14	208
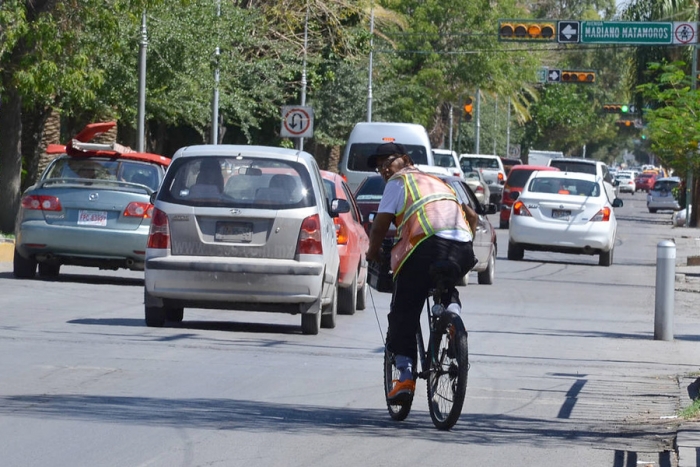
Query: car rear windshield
574	166
371	189
665	185
359	152
444	160
518	178
564	186
240	182
472	163
113	170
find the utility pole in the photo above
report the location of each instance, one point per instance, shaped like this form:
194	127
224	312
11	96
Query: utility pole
508	131
495	126
141	124
451	123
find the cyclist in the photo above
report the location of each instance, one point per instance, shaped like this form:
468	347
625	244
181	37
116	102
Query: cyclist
432	225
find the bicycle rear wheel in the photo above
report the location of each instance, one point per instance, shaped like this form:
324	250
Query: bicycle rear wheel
449	366
397	411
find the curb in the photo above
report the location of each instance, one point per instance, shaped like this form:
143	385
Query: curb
7	250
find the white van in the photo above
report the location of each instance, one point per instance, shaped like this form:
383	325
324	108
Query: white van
365	138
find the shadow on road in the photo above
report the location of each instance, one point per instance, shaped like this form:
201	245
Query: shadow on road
226	326
84	279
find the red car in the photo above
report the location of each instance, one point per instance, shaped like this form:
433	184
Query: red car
517	177
644	181
353	243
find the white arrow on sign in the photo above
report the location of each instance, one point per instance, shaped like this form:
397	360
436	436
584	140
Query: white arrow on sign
553	75
569	32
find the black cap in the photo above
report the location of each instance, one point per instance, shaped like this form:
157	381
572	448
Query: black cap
386	149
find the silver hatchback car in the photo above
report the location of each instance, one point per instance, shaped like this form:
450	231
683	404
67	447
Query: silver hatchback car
243	228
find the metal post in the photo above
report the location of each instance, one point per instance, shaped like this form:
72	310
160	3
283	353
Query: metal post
451	124
215	97
141	120
508	154
371	52
665	279
303	72
478	122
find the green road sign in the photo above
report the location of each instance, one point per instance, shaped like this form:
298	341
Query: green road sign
612	32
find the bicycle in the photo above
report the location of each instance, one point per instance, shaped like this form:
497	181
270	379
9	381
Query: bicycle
444	364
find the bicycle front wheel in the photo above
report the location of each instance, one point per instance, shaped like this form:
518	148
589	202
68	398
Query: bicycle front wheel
449	366
397	411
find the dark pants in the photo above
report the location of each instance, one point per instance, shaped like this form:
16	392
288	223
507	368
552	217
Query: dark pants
412	286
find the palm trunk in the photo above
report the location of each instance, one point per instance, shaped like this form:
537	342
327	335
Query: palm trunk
50	135
10	158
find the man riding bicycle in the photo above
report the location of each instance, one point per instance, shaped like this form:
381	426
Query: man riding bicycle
432	225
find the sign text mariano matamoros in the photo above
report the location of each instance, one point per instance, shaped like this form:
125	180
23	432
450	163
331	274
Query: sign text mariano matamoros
626	32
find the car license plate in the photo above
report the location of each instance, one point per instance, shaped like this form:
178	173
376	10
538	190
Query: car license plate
241	232
561	214
92	217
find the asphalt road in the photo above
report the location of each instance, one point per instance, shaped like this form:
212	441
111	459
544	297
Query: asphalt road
565	371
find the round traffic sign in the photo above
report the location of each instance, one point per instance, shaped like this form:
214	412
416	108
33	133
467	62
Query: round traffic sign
684	33
297	121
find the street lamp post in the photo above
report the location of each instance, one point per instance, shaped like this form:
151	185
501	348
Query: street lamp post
141	124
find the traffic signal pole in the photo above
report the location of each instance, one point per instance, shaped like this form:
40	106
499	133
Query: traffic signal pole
478	122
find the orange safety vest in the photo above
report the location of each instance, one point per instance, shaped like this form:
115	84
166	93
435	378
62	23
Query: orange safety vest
430	205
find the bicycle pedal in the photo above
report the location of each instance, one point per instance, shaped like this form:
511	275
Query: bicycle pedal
401	399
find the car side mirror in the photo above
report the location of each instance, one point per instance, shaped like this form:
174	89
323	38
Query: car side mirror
153	197
617	203
339	206
491	208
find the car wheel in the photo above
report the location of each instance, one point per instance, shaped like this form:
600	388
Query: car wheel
486	276
653	211
49	270
515	252
347	298
23	268
606	258
330	311
362	295
155	316
503	224
311	322
174	315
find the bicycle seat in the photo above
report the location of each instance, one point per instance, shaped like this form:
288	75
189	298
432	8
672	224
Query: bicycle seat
444	271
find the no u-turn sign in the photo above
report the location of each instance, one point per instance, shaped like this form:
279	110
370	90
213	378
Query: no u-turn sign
297	122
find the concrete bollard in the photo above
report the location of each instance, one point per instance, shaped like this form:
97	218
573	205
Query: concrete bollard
665	287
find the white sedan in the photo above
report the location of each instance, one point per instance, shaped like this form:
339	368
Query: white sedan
564	212
625	183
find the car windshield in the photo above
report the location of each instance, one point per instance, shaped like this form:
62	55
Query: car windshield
518	178
360	152
371	189
564	186
240	182
85	168
471	163
574	166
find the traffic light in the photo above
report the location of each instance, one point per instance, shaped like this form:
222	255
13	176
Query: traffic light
527	30
468	109
616	109
625	124
578	76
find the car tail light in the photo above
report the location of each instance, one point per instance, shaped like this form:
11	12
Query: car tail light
138	209
341	232
344	177
602	215
519	209
479	189
41	203
159	235
310	236
500	177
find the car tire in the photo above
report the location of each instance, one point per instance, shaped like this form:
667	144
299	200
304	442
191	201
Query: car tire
347	298
155	316
175	315
606	258
362	295
653	211
49	270
503	224
486	276
330	311
515	252
23	268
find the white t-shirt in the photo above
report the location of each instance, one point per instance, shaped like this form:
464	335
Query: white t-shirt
392	203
